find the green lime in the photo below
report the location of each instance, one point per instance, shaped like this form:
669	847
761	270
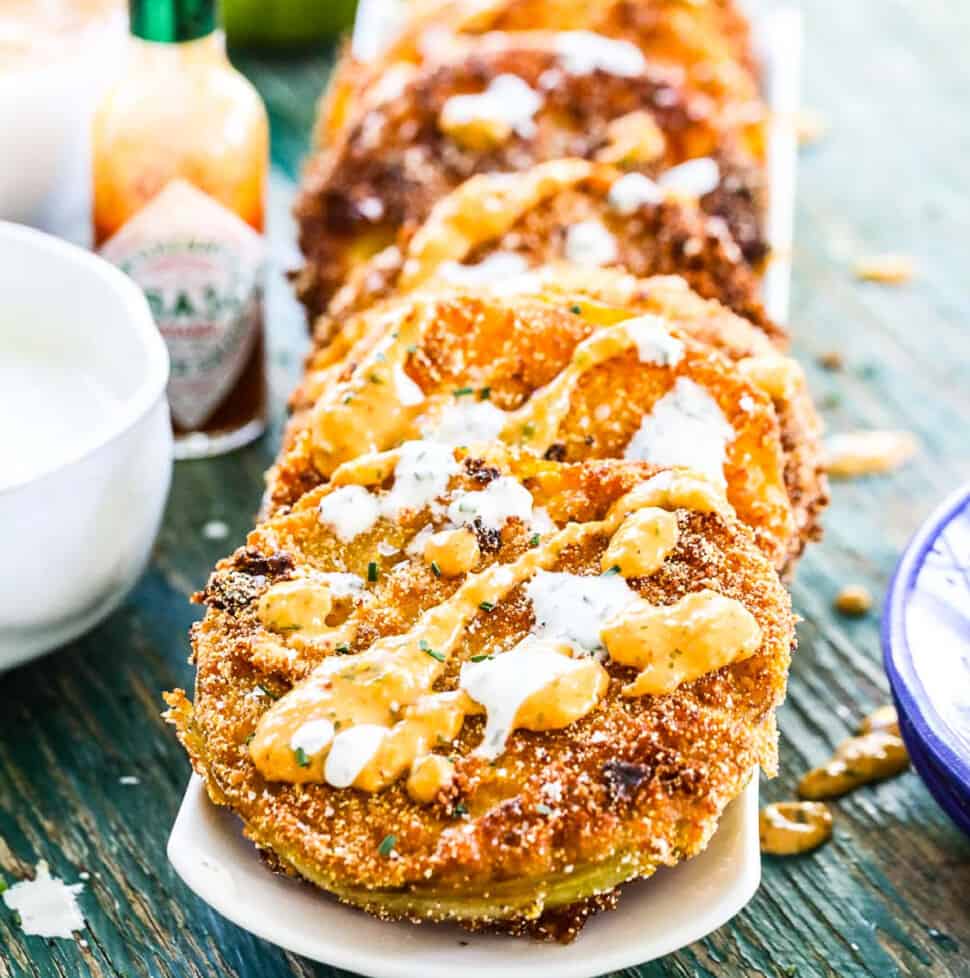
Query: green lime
285	23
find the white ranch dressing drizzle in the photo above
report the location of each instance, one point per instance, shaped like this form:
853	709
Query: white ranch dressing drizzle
572	608
421	474
685	428
589	243
502	684
418	542
495	269
313	736
408	392
508	101
349	511
47	905
501	500
632	191
695	178
583	52
466	421
341	585
541	521
351	751
654	341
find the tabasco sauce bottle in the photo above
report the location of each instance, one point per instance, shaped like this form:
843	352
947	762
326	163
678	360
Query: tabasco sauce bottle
180	157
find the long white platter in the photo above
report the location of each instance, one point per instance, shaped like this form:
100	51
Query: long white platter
656	916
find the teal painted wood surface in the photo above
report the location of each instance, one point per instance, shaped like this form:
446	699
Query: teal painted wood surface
890	895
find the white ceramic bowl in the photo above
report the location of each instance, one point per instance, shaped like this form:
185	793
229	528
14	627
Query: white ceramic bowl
87	442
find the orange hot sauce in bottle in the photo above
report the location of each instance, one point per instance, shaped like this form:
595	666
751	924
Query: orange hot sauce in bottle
180	161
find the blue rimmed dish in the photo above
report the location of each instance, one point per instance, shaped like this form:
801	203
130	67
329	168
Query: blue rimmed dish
926	649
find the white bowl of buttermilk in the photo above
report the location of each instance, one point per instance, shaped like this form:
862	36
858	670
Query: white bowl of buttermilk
86	440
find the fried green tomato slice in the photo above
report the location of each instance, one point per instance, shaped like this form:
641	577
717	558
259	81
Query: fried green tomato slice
535	833
504	102
557	372
497	225
709	42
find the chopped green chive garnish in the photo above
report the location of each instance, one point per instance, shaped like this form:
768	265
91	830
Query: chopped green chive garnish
348	398
481	658
528	430
375	379
267	692
576	309
459	809
486	606
463	391
434	653
301	757
543	809
3	884
249	738
343	648
372	571
485	393
435	569
612	570
387	844
534	540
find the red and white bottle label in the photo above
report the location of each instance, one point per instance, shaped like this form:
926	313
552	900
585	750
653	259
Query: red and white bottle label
201	269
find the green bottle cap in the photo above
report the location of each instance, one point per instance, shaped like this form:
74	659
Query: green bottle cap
172	21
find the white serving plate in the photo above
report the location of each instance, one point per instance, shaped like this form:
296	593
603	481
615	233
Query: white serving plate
657	916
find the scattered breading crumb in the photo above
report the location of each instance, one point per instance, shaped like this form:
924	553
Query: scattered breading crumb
831	360
810	126
887	269
853	600
47	905
858	453
215	530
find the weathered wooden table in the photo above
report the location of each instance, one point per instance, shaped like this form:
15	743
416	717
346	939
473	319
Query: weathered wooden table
890	895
